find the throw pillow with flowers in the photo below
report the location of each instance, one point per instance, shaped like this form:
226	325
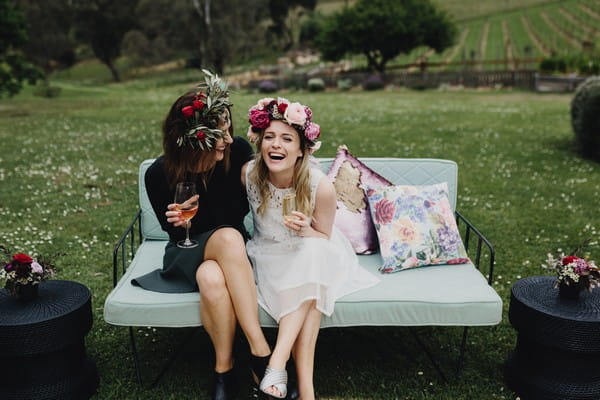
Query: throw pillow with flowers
22	269
572	270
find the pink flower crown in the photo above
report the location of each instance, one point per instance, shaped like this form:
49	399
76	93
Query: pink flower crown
294	114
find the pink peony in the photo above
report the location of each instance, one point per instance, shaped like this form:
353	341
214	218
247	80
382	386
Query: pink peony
295	114
312	131
262	103
259	119
384	211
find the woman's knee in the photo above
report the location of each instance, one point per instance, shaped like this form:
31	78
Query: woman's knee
211	280
228	239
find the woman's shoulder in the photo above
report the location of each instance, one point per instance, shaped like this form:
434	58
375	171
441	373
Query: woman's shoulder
157	167
240	148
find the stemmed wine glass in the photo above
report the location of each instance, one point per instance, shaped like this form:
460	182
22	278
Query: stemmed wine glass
187	202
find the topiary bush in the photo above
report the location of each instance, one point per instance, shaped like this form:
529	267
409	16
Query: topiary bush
344	84
316	85
585	117
267	86
373	82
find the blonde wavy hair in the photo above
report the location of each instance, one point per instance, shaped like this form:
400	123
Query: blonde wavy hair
301	181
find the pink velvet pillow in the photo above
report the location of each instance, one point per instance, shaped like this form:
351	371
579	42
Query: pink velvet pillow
353	217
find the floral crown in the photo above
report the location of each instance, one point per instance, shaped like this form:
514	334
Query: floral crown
205	112
294	114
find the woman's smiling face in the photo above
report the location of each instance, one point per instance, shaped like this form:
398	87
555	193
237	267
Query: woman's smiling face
280	147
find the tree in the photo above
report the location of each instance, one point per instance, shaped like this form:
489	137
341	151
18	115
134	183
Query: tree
103	24
49	24
383	29
279	32
14	68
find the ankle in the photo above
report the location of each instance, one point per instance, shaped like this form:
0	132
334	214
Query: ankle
221	367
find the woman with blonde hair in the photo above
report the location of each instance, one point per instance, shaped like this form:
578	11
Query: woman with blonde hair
302	263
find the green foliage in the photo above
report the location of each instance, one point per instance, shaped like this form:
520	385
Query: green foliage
14	68
49	25
44	89
344	84
383	29
316	84
585	117
103	24
585	64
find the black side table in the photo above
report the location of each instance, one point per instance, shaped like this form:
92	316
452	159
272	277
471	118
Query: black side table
558	342
42	350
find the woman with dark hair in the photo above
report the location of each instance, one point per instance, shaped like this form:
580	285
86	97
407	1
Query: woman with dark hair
199	147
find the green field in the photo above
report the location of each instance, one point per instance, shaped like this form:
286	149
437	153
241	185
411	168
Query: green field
68	172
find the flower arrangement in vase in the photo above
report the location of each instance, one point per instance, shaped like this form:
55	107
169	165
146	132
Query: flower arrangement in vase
573	273
22	274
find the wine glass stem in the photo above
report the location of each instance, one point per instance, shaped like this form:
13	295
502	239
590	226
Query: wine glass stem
187	233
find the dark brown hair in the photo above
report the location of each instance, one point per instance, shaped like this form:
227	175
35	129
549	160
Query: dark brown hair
183	160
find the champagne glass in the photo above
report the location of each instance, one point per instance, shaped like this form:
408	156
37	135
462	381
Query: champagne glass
289	205
187	204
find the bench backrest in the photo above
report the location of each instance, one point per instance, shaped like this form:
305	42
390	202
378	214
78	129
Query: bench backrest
399	171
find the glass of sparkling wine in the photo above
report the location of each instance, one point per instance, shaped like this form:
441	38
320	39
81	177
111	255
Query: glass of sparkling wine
289	205
187	203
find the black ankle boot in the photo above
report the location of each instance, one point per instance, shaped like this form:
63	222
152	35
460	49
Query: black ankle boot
226	385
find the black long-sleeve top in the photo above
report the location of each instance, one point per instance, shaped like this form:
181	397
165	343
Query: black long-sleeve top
222	202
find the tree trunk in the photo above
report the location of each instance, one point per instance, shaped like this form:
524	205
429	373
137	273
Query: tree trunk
113	70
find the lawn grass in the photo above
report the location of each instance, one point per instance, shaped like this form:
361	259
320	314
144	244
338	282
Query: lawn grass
68	173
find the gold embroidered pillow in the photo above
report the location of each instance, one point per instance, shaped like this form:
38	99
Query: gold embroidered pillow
415	226
350	177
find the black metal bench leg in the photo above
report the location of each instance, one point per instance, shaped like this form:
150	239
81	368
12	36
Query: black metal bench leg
461	357
173	357
136	361
428	354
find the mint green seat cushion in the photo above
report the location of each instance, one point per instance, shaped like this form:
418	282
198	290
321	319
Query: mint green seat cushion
440	295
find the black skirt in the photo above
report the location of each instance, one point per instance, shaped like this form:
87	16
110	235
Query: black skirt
178	274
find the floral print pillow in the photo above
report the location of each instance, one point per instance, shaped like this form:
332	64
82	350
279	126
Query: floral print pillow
415	226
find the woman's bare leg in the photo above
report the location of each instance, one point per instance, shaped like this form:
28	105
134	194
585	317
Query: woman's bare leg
289	328
216	312
304	353
226	246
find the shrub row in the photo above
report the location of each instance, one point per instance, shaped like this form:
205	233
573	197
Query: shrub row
372	82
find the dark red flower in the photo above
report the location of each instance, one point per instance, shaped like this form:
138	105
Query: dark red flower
200	135
569	259
187	111
22	258
282	107
9	267
259	119
197	105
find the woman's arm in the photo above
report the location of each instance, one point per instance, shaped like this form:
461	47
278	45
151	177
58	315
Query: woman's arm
323	216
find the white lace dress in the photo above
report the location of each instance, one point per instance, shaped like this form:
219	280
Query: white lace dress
290	269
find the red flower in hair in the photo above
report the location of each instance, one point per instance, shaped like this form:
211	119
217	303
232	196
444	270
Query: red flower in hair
187	111
22	258
197	105
200	135
282	107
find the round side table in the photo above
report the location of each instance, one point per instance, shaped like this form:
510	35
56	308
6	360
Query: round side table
42	349
558	344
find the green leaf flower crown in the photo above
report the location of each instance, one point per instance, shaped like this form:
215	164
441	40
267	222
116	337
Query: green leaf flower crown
208	108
